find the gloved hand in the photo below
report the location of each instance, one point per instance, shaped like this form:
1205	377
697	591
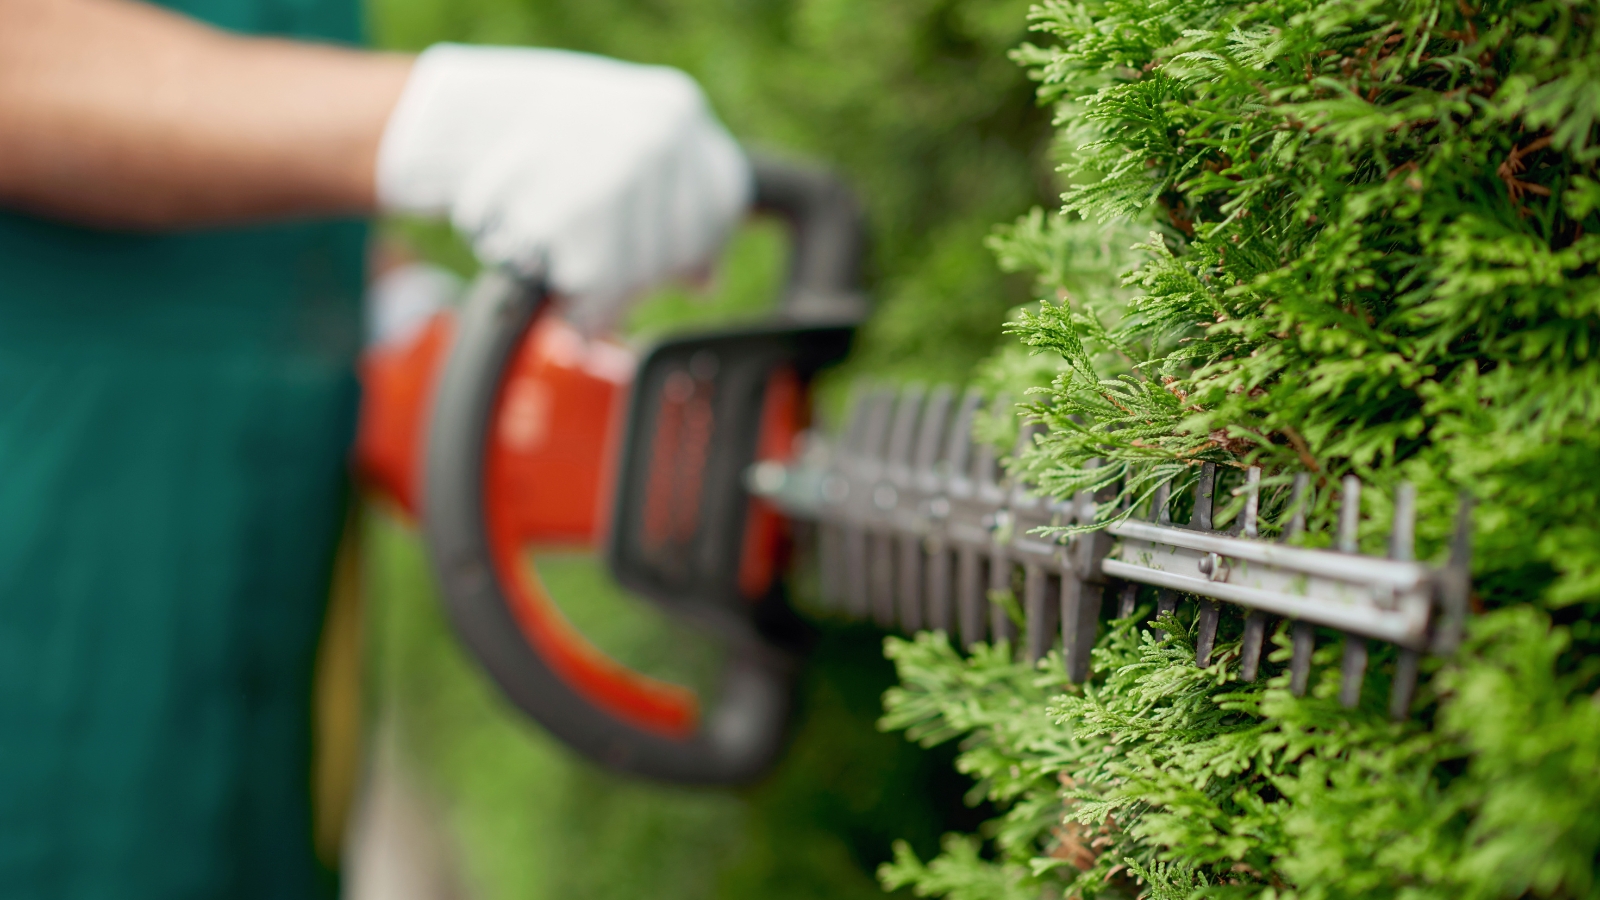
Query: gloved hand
601	176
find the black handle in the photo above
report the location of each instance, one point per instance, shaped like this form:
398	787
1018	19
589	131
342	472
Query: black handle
741	737
828	240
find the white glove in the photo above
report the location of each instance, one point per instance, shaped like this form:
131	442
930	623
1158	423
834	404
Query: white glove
603	177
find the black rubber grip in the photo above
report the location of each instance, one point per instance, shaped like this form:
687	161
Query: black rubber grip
737	740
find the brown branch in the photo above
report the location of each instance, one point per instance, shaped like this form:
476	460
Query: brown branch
1514	166
1301	448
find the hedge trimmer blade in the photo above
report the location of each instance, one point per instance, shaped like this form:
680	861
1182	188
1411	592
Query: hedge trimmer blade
918	525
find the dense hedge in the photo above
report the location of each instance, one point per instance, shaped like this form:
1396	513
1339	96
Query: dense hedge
1372	249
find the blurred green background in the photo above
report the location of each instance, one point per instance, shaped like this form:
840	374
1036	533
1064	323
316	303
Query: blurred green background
915	102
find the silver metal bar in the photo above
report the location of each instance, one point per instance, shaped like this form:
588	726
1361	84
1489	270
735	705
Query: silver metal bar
1403	627
1387	574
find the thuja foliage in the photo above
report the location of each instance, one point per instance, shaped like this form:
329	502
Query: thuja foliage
1372	249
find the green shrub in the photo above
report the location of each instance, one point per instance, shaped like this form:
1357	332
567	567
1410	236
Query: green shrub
1373	251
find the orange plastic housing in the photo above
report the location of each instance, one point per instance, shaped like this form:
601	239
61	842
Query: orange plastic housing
552	435
547	482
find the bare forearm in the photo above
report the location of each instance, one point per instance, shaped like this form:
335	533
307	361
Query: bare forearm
117	113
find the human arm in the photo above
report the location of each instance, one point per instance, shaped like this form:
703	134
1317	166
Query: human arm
121	114
598	176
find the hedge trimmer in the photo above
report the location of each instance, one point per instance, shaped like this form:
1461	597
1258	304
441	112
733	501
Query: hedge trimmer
704	487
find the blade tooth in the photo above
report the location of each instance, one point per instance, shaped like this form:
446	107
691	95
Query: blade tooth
1128	600
1160	504
903	425
939	596
1255	632
1299	497
1403	534
1201	521
908	586
1206	633
986	470
857	590
1041	606
1402	542
1455	588
1252	500
1352	671
1350	515
1405	684
1001	628
830	559
985	467
880	548
958	451
969	595
846	578
1305	641
875	434
1050	627
1080	615
860	410
1166	604
1021	494
931	428
1083	502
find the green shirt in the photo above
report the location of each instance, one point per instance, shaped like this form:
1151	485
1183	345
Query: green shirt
175	413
